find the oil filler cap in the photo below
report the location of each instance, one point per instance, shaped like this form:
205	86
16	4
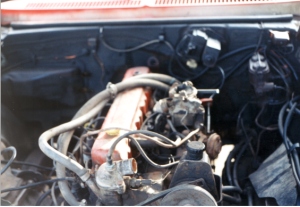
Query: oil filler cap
194	150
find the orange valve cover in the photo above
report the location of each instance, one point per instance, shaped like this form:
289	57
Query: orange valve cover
127	111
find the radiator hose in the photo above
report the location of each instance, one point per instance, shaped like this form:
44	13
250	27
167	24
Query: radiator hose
89	110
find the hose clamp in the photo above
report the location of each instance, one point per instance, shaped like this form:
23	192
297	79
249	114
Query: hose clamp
85	176
112	88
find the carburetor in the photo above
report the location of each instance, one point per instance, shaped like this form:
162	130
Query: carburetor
182	105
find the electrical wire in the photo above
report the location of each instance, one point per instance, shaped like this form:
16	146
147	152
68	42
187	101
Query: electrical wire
140	149
177	143
297	98
32	185
42	197
12	158
151	42
238	65
53	194
258	141
240	115
286	124
228	161
248	140
239	156
293	155
148	118
28	164
284	61
269	128
282	77
95	120
145	44
231	53
101	65
222	81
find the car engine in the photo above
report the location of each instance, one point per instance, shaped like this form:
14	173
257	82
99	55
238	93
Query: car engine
193	112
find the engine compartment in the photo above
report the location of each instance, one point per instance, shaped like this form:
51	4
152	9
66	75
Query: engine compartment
140	113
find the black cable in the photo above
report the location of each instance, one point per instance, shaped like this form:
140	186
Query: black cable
269	128
272	103
165	158
222	81
12	158
28	164
85	144
282	77
280	123
258	141
238	65
236	51
42	197
148	118
149	133
31	185
284	61
96	119
240	115
294	155
239	156
259	40
223	76
145	44
228	161
140	149
297	98
101	65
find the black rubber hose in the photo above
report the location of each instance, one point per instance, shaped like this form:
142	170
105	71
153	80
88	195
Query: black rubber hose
65	138
12	158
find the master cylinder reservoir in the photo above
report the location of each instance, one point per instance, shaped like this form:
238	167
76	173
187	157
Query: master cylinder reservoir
127	111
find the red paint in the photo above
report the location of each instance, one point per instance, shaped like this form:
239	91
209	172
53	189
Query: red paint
127	111
76	10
